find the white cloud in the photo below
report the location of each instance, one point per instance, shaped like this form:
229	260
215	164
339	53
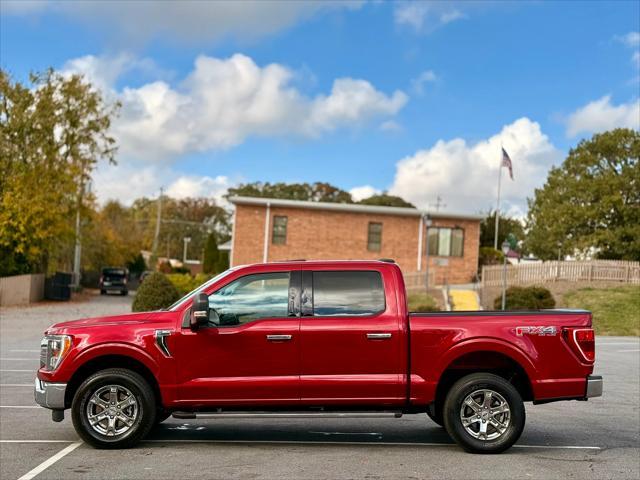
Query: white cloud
466	175
128	182
224	101
425	16
417	84
631	39
193	21
390	126
635	58
601	115
365	191
104	71
198	186
450	16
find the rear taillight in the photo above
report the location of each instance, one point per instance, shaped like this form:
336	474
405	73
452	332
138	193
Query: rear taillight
582	341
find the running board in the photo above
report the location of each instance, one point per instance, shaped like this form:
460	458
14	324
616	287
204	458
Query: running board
193	415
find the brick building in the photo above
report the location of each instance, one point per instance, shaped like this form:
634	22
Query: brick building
266	229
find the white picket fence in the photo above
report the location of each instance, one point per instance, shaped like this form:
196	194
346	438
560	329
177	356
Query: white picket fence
587	271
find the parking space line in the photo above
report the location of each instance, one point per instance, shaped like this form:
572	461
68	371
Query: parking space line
20	406
13	370
50	461
18	359
385	444
37	441
629	351
27	351
16	385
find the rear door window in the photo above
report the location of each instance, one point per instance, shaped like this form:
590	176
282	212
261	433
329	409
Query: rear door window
347	293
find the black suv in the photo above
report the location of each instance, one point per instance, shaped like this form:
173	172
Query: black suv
114	279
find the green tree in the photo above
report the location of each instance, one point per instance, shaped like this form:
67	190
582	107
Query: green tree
386	200
52	133
316	192
591	203
506	226
211	255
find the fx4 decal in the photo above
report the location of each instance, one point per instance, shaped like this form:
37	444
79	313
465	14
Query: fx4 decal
540	331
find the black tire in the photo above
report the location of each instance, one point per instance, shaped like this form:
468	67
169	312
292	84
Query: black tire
139	388
124	293
453	405
103	292
435	413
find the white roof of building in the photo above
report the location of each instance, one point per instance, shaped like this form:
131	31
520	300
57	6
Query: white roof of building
350	207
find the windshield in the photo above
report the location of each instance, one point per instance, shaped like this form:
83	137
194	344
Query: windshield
200	288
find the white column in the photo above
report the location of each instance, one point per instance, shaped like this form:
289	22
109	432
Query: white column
265	249
233	236
420	228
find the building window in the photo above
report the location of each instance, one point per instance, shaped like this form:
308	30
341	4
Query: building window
446	242
374	237
279	236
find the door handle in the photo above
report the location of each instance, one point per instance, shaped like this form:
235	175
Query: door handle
278	338
378	336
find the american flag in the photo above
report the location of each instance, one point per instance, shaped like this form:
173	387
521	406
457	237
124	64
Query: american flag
506	162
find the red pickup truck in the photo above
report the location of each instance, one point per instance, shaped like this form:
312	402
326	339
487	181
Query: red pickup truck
313	339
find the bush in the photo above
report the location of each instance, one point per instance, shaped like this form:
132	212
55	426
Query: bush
421	302
154	293
184	282
490	256
526	298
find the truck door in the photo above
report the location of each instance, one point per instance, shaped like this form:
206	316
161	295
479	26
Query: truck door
252	355
351	338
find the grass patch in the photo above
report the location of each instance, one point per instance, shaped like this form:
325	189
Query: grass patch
421	302
616	311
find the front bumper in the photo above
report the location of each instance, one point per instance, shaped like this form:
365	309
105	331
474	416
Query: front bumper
594	386
50	395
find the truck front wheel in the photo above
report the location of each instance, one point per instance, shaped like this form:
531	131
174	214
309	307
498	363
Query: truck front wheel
113	408
484	413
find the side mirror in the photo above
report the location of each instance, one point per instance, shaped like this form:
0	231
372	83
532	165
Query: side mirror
200	311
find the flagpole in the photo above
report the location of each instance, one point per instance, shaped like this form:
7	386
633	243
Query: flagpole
495	238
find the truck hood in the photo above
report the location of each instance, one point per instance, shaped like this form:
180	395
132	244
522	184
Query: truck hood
115	320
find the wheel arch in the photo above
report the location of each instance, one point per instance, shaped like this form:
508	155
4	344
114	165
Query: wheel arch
105	361
485	355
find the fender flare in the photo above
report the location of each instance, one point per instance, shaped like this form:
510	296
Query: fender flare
485	344
116	348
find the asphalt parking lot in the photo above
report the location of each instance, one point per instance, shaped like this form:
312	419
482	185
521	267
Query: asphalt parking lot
595	439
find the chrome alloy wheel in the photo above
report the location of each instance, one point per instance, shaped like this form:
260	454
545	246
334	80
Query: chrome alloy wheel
485	414
112	410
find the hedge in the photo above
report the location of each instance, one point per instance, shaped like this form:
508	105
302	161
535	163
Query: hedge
154	293
184	282
526	298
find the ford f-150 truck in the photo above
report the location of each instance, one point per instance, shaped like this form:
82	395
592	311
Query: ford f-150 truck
314	339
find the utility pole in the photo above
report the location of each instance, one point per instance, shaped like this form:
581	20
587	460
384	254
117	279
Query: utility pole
439	203
77	253
156	236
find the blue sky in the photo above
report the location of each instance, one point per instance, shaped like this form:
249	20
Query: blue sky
411	97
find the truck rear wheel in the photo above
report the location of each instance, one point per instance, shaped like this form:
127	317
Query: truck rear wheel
484	413
113	408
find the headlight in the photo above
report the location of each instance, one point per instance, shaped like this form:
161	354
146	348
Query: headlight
53	348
